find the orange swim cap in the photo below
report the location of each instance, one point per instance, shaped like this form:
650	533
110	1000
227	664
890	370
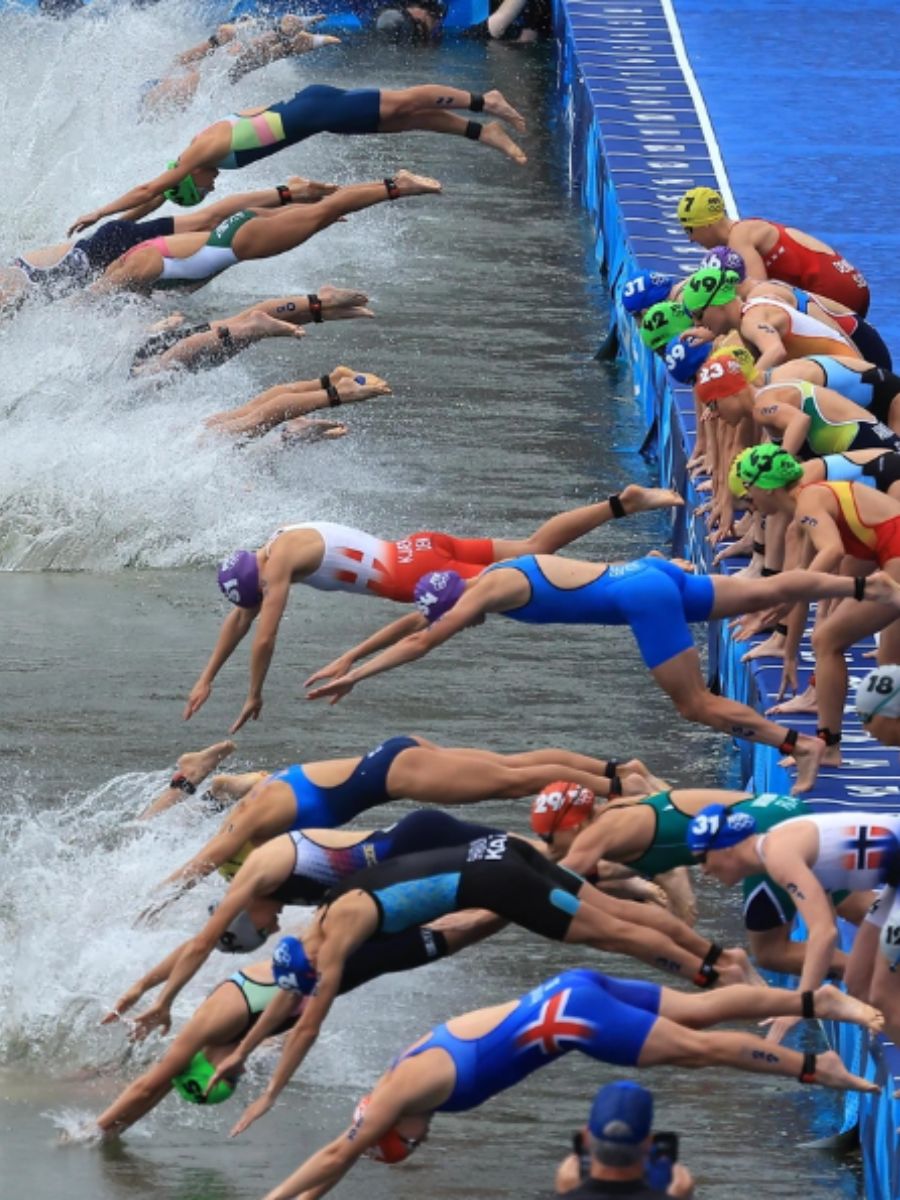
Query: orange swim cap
391	1147
719	378
561	805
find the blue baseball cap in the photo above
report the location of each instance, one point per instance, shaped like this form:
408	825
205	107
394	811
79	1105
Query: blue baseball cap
644	289
291	967
717	828
622	1113
685	358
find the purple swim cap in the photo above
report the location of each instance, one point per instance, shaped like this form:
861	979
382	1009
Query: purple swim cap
643	290
291	967
723	258
685	358
437	592
239	579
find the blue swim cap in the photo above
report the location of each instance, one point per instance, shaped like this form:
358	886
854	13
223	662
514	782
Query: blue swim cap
717	827
291	967
645	289
685	358
437	592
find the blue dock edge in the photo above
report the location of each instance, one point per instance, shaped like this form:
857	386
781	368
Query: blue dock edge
638	138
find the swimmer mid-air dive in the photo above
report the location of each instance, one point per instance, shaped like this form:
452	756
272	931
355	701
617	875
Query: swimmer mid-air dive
255	133
190	260
656	598
473	1057
334	558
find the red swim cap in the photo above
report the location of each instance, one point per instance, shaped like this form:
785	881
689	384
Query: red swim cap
561	805
392	1147
719	378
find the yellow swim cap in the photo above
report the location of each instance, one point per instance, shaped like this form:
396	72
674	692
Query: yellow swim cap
742	357
232	865
700	206
735	483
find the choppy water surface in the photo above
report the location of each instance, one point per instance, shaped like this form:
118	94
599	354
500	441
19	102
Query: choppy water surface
488	313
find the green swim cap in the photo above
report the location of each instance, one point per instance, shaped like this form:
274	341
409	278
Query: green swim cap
767	466
186	193
662	322
193	1081
709	285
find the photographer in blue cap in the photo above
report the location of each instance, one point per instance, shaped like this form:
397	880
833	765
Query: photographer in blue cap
620	1156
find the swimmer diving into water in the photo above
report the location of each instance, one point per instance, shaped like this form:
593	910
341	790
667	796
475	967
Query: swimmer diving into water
656	598
188	261
462	1064
255	133
333	557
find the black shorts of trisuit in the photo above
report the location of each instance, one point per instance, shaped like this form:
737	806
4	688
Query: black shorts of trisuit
498	872
156	344
885	386
871	345
885	470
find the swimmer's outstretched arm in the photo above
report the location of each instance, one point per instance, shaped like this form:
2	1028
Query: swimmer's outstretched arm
144	193
234	630
341	940
484	595
276	587
388	635
155	976
255	878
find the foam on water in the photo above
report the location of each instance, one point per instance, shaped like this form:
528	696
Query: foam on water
98	471
70	913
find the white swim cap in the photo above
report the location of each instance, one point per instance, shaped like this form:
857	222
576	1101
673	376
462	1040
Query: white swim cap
878	694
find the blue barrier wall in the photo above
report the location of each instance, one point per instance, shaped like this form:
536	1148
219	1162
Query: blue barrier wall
640	135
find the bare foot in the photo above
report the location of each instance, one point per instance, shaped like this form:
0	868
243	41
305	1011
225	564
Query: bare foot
772	647
259	324
334	297
493	134
408	184
497	105
831	1073
361	387
835	1005
308	429
804	703
197	764
881	589
643	499
308	191
734	966
809	754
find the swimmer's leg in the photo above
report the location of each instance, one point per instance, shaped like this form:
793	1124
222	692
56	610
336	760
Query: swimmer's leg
435	98
436	775
135	271
192	768
292	226
591	925
328	304
567	527
491	134
699	1010
288	405
222	341
681	679
673	1044
234	787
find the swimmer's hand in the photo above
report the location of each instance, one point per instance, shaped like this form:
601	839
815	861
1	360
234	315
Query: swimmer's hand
335	669
337	689
697	333
199	695
251	1113
126	1001
157	1016
778	1027
84	222
252	708
228	1068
